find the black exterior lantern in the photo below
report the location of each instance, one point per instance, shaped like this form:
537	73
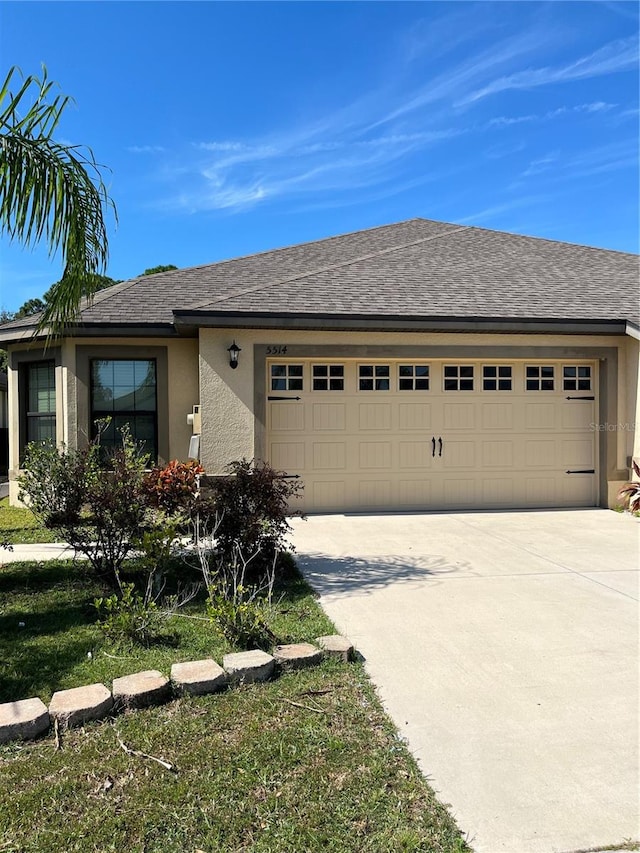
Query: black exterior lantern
234	351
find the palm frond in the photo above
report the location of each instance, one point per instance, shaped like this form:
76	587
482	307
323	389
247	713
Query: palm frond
53	193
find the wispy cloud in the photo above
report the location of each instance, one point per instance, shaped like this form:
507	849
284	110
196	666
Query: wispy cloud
146	149
619	55
541	164
395	134
593	107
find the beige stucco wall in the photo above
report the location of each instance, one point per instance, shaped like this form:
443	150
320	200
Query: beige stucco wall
199	372
227	397
182	371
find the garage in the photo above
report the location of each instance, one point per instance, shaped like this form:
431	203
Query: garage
408	433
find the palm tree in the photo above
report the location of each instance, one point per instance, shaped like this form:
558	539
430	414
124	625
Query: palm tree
51	192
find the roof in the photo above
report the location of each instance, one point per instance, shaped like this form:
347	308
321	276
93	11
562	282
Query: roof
414	270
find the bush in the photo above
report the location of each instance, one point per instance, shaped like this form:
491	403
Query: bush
174	488
250	511
98	507
629	494
129	616
243	620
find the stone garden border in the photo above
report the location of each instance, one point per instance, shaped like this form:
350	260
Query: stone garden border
26	719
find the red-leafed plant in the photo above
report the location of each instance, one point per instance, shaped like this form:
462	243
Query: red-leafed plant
629	494
175	487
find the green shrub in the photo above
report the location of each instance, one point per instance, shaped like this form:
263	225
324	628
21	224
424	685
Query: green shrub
129	616
98	506
242	620
249	510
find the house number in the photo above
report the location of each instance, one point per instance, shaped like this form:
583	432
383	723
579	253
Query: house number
278	349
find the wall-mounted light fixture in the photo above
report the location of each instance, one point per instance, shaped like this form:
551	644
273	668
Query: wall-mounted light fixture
234	351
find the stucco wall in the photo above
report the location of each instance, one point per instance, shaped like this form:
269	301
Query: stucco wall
72	426
229	429
198	371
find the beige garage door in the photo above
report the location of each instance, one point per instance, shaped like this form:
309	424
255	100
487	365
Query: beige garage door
401	434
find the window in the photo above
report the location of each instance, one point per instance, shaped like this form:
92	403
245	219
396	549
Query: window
576	377
286	377
497	377
413	377
458	377
328	377
40	413
125	391
374	377
539	377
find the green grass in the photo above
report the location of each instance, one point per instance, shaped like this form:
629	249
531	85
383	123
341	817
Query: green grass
254	770
19	527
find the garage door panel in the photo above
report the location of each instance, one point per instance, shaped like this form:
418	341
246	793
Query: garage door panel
459	416
498	491
374	416
287	416
415	493
328	494
288	456
375	454
459	454
540	416
329	455
328	417
577	453
540	453
375	494
577	490
414	416
497	416
415	454
577	415
497	454
460	492
540	491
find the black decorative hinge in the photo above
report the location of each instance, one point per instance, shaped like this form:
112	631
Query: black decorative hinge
580	398
284	398
586	471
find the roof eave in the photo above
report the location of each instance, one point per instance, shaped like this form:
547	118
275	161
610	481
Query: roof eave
100	330
366	322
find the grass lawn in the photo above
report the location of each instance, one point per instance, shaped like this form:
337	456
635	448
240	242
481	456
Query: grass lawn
254	771
19	527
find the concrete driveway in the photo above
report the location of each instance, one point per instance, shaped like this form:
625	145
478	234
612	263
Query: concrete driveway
505	648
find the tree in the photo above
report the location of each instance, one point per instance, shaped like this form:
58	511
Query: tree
161	268
51	192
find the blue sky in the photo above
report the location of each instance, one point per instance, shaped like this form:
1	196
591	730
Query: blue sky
230	128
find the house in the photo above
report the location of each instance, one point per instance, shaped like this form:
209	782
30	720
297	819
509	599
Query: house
4	424
414	366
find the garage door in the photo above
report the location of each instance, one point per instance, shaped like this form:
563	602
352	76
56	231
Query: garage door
402	434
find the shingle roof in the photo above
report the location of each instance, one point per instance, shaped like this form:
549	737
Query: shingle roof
418	268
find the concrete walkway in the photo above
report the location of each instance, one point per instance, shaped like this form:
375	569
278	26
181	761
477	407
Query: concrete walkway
505	648
43	551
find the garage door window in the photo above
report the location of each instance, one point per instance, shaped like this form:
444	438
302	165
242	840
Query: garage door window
497	377
540	377
413	377
374	377
458	377
328	377
576	377
286	377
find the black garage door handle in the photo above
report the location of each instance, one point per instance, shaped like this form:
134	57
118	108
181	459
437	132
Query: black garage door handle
433	446
440	446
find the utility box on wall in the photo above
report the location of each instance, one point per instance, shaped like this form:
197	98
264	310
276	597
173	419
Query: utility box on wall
194	420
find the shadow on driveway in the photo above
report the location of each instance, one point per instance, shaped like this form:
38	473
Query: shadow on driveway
342	575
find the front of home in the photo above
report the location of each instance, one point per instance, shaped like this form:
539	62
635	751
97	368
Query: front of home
415	366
